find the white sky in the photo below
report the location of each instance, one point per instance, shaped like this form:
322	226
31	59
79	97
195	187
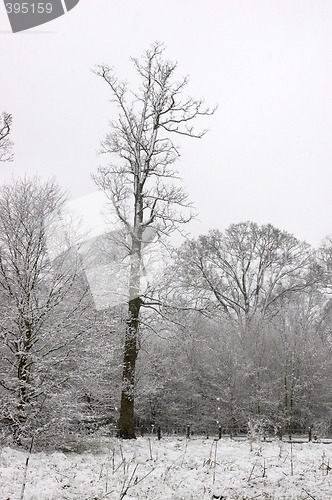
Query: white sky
267	63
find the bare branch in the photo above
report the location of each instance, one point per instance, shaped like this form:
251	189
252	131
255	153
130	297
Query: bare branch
6	145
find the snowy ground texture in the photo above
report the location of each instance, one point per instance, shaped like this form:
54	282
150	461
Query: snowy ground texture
173	468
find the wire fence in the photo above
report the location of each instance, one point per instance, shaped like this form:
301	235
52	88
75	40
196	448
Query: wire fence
233	434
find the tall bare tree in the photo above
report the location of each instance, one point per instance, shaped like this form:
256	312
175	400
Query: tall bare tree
141	181
6	145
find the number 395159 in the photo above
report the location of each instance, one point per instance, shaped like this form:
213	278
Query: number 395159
29	8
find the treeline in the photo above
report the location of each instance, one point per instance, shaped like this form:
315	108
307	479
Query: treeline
238	330
251	340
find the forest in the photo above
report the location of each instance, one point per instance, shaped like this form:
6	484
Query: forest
227	332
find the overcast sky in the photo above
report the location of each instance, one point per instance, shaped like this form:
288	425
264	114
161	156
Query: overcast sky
266	63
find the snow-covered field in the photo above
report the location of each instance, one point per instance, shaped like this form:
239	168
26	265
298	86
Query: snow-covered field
173	468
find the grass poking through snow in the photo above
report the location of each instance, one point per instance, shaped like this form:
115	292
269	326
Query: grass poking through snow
171	469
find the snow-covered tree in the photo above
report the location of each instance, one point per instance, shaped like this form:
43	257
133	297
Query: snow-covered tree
244	271
140	181
6	144
40	300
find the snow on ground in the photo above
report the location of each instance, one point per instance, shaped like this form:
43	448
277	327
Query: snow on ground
172	469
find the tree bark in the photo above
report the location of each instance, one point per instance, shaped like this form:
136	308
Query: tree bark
126	425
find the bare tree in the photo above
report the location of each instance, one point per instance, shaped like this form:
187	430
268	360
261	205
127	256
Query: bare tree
245	270
33	290
324	268
141	181
6	144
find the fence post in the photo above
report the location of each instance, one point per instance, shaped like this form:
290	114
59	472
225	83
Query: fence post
219	432
142	430
159	433
188	431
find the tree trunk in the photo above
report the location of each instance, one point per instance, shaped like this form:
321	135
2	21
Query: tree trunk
126	427
285	405
291	408
24	390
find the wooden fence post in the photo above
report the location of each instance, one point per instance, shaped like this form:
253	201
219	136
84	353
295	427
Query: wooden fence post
188	431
